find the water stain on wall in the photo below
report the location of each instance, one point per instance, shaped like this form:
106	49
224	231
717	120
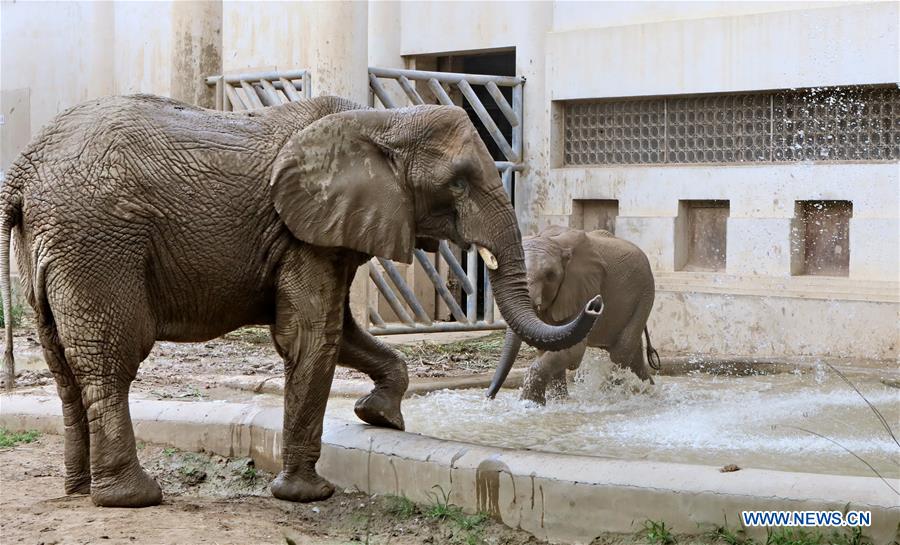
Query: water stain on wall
487	486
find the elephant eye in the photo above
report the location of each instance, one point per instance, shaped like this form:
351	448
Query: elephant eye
458	183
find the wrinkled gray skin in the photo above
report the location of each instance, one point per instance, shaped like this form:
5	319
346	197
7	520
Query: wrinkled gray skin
562	265
140	219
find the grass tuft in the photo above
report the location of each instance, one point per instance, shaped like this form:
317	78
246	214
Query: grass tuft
249	474
401	506
789	536
469	527
656	533
10	438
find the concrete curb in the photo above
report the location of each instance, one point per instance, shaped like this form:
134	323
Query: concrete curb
562	498
358	388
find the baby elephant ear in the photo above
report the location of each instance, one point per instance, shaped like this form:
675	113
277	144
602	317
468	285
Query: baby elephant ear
333	185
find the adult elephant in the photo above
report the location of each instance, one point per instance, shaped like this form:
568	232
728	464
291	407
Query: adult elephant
563	266
140	219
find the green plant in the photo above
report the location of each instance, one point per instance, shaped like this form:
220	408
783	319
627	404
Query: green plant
400	506
10	439
169	451
249	474
440	507
470	527
471	522
790	536
16	312
656	533
852	536
723	534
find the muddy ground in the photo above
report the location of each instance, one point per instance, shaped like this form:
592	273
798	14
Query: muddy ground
210	499
190	371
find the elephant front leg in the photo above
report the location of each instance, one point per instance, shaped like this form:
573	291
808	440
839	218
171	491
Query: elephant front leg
363	352
548	370
307	333
557	387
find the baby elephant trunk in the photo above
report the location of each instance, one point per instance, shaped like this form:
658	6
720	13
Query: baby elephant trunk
581	325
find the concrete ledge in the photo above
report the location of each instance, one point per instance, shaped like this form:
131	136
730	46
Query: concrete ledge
361	387
557	497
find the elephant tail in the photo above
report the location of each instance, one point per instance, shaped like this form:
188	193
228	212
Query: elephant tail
10	209
652	354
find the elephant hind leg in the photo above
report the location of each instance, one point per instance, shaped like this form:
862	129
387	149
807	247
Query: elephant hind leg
632	357
77	435
106	334
363	352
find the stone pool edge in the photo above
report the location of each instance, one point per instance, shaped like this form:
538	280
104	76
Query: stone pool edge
558	497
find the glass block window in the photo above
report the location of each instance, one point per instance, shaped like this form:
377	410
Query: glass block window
615	132
824	124
718	129
837	124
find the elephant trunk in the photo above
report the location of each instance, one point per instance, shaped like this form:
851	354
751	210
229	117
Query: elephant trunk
511	345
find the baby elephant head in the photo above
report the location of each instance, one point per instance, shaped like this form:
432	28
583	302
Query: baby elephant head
545	263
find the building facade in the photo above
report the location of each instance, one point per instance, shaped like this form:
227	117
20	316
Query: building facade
749	148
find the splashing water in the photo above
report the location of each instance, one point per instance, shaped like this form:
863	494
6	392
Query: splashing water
695	418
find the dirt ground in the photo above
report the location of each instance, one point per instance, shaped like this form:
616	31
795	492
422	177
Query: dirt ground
210	499
189	371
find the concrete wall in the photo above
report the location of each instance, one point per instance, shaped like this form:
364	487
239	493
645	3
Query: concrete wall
35	85
57	54
651	50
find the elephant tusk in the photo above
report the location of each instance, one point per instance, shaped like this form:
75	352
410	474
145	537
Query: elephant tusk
489	260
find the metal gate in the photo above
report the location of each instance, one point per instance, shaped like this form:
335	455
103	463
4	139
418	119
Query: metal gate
396	88
258	90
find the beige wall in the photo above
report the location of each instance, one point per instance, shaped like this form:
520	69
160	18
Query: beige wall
39	70
57	54
263	36
568	15
328	38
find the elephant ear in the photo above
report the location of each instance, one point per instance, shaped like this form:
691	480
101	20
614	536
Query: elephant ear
585	273
334	185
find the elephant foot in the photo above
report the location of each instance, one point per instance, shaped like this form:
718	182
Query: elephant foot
130	488
533	396
78	484
301	489
380	409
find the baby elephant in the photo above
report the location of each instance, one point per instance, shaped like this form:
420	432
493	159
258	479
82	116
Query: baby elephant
564	267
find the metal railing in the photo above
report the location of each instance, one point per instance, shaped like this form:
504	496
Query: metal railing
260	89
440	85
